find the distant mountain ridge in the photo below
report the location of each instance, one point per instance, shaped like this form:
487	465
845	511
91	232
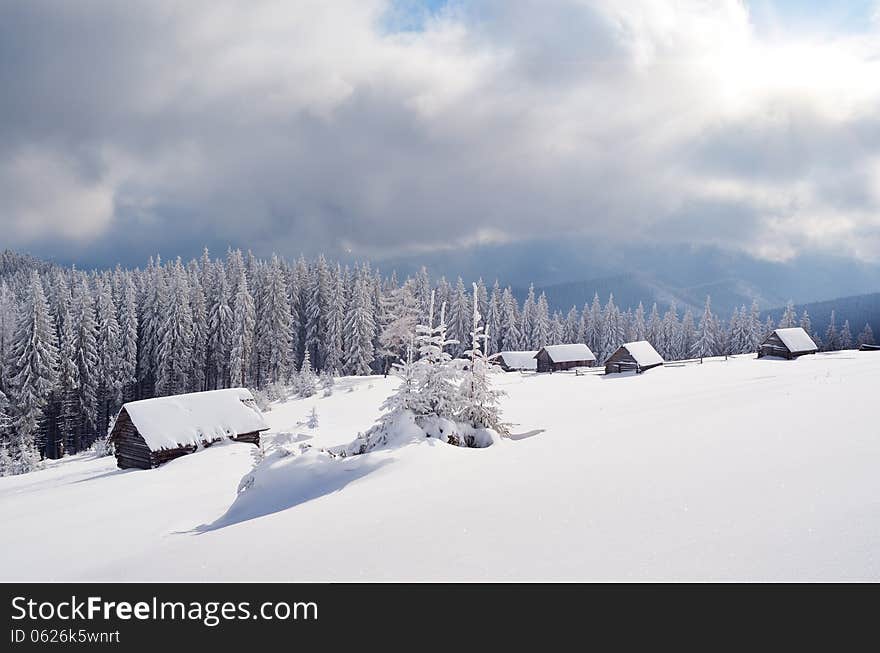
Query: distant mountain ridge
630	289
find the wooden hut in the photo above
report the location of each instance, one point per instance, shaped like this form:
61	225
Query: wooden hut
633	357
150	432
867	347
554	358
514	361
787	343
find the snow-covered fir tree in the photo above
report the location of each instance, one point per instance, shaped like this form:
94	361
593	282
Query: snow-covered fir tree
86	334
109	342
359	327
832	338
175	336
789	317
273	332
306	383
243	334
34	377
846	338
866	337
333	340
221	326
480	401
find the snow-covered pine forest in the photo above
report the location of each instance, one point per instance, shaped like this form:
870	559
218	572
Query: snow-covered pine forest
75	345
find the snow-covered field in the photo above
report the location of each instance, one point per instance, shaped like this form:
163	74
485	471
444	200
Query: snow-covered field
745	469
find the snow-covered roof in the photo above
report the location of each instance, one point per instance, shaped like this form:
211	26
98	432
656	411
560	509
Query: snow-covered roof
643	353
518	360
569	353
195	418
796	339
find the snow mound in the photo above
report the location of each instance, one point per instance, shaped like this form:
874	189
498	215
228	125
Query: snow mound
403	428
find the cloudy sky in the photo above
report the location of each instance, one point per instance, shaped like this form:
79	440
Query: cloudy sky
390	128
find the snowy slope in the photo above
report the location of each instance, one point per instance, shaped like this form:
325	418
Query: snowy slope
682	473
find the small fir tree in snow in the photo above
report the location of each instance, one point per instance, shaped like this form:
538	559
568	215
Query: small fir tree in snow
312	422
436	378
480	402
306	380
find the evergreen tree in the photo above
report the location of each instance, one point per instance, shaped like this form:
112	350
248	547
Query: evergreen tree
87	362
806	324
436	376
109	342
459	318
359	328
128	330
789	317
400	311
333	361
705	343
594	330
671	339
866	337
317	309
175	336
527	321
688	333
846	339
655	329
571	329
306	381
832	339
274	334
243	326
221	326
479	405
639	328
757	332
34	373
68	385
152	316
494	321
199	362
541	327
511	338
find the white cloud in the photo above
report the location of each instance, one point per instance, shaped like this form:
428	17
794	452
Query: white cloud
305	125
43	195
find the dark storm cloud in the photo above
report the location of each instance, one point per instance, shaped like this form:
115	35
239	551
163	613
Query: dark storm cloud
127	128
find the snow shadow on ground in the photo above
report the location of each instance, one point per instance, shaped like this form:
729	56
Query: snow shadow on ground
285	482
527	434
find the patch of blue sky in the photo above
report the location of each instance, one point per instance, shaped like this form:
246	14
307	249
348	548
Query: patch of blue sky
411	15
817	16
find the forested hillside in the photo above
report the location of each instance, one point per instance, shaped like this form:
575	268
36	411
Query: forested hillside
75	344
